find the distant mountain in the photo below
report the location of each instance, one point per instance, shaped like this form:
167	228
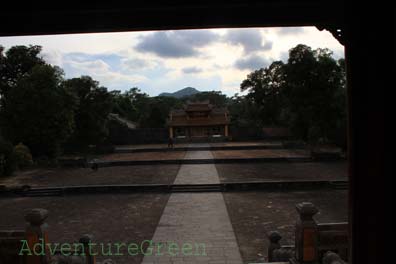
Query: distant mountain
181	93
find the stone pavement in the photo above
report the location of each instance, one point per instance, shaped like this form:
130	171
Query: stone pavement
198	173
203	154
195	225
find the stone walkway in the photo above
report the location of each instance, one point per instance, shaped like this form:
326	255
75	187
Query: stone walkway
199	173
195	225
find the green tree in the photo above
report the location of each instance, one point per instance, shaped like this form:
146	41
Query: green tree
17	62
8	161
123	105
315	92
158	111
139	107
214	97
23	156
38	111
307	94
132	104
265	92
94	104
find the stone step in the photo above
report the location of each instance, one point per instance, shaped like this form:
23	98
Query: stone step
197	188
341	185
197	148
43	192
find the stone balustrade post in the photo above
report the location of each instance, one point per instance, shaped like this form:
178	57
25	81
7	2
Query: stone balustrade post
306	236
274	238
332	258
36	234
86	241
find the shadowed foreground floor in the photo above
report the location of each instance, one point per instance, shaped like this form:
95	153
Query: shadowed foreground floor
122	218
254	214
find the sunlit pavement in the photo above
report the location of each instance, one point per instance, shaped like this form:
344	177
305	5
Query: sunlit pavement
197	219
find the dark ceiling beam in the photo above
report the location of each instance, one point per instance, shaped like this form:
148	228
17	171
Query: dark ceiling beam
111	17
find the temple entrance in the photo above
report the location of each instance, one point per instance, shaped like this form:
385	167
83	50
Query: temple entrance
199	120
198	132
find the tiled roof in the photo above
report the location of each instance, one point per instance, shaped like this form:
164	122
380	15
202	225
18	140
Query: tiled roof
215	120
198	107
216	115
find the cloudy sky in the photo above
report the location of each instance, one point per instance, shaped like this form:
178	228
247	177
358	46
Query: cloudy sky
166	61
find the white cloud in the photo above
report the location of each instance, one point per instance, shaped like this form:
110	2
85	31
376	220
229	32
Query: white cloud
93	67
213	58
176	44
192	69
252	62
290	30
99	70
137	64
53	57
251	39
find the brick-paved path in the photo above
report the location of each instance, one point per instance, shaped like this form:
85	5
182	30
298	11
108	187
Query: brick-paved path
197	174
197	219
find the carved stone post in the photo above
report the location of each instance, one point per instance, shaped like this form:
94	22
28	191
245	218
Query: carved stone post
86	240
274	238
306	234
332	258
37	237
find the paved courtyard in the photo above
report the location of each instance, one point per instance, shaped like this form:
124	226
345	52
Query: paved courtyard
206	227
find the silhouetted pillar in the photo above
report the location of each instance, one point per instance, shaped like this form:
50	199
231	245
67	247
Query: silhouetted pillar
367	88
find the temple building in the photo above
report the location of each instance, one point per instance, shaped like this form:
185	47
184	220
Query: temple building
198	120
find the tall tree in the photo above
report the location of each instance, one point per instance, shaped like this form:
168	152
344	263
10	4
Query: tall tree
91	114
38	111
315	92
265	91
243	112
131	104
307	94
158	111
214	97
18	61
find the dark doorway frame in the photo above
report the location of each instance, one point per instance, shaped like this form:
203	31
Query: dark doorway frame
355	26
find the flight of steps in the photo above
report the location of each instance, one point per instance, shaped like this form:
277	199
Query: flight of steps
44	192
340	185
197	188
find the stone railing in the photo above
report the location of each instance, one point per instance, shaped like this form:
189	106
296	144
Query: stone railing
313	241
25	246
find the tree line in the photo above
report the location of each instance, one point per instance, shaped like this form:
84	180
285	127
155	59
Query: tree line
50	114
306	94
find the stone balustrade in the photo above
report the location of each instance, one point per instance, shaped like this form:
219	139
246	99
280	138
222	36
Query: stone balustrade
32	246
314	242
